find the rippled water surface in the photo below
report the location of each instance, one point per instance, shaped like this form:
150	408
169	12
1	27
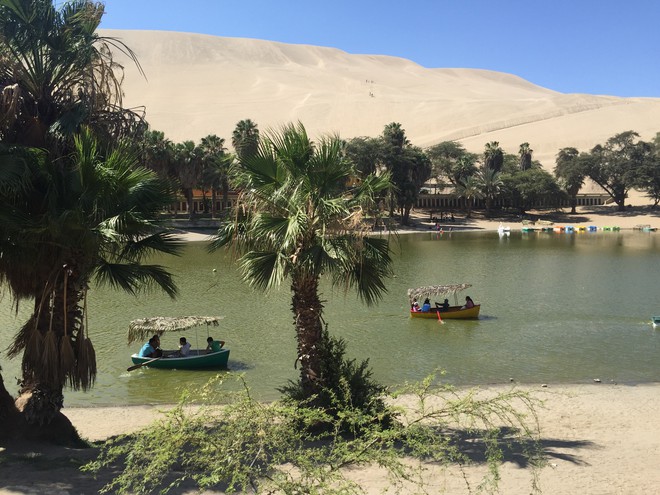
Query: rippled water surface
556	308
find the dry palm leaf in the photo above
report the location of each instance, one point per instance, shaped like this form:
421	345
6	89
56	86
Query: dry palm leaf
67	356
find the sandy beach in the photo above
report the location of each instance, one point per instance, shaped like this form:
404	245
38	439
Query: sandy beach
639	213
598	438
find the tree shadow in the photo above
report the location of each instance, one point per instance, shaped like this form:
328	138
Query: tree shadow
29	468
515	450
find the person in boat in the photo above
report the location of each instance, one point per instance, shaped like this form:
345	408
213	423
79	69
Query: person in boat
152	348
414	307
184	347
214	345
469	303
442	307
426	307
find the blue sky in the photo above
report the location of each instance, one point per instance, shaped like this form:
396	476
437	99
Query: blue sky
573	46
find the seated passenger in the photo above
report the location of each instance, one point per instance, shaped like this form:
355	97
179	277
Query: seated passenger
442	307
152	348
414	306
214	345
184	347
469	303
426	307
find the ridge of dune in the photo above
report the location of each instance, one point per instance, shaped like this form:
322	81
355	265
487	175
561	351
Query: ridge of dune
200	84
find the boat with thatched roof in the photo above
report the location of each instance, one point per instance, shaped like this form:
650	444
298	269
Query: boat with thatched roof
142	329
455	312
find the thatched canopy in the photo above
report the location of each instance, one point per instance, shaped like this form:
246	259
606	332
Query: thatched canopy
144	328
436	290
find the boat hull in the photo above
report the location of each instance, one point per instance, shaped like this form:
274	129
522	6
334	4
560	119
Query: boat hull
453	313
195	361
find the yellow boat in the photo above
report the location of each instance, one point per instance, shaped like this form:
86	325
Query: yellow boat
455	312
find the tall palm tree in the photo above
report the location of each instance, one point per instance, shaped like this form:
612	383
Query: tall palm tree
157	153
493	156
469	190
297	219
525	153
491	185
57	73
68	223
214	167
187	166
245	138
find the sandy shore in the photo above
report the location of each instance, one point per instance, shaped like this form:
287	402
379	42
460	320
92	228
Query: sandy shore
599	216
599	439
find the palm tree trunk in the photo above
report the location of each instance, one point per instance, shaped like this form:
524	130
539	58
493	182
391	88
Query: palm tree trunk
307	309
225	193
10	419
213	200
189	200
41	396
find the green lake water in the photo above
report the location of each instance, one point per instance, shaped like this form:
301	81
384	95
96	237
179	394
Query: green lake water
556	308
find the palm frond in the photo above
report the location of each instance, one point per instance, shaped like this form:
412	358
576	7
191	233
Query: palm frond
264	270
364	265
135	278
160	242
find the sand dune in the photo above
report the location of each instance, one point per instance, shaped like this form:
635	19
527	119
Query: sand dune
199	84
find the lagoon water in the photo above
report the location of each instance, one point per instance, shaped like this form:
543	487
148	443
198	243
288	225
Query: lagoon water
556	308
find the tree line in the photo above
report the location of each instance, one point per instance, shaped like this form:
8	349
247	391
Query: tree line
622	163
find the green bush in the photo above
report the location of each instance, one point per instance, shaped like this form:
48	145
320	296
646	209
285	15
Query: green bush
250	447
346	386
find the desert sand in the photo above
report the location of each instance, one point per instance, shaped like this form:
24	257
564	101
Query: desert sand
195	85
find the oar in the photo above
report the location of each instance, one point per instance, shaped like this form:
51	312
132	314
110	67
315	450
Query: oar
136	366
437	311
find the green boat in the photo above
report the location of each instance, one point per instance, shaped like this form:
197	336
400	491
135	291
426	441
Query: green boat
197	359
143	328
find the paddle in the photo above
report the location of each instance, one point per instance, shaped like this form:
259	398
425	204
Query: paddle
136	366
437	311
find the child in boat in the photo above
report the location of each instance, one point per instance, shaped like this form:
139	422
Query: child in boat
184	347
426	307
214	345
414	306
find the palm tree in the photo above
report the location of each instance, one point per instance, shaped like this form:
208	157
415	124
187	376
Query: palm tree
493	156
57	73
214	167
490	184
187	167
63	225
297	219
245	138
525	153
469	190
157	153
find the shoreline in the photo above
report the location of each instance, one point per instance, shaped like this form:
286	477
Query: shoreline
420	221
